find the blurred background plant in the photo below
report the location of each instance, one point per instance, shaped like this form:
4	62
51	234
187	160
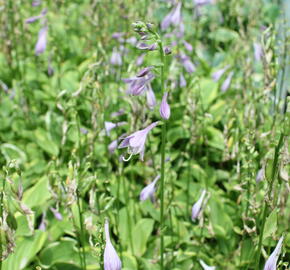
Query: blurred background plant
65	108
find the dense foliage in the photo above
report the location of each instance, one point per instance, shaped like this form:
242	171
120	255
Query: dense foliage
73	88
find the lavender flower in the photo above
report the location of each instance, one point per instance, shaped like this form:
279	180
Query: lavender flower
260	175
202	2
36	3
149	190
33	19
138	85
116	58
41	42
226	84
258	51
182	81
167	50
144	46
187	46
110	125
271	263
140	59
219	73
144	71
197	206
205	266
150	96
113	146
173	17
118	113
42	225
187	64
164	107
136	141
111	258
56	214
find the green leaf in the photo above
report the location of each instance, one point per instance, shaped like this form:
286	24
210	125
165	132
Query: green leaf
271	224
45	142
224	35
38	194
208	91
141	233
26	249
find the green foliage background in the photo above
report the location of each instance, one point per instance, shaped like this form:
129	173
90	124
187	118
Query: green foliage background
216	140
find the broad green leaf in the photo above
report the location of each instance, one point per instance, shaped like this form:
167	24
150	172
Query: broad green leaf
26	249
271	224
38	194
45	142
141	233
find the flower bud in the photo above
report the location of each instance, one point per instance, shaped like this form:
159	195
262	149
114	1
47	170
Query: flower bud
164	107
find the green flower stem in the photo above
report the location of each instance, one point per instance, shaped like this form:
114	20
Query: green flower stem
162	179
266	207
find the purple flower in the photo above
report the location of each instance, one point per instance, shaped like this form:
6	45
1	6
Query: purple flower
111	258
187	46
197	206
260	175
138	85
258	51
110	125
144	46
136	142
41	42
83	131
173	17
271	263
219	73
149	190
118	113
182	81
116	58
36	3
205	266
56	214
113	146
140	59
187	64
164	107
202	2
167	50
42	225
226	84
144	72
150	96
33	19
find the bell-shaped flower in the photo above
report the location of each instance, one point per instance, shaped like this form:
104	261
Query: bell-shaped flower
164	107
111	258
187	64
182	81
136	141
140	59
258	51
205	266
196	208
226	84
187	46
173	17
144	72
33	19
150	96
271	263
149	190
56	213
219	73
116	58
110	125
41	42
137	85
260	175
